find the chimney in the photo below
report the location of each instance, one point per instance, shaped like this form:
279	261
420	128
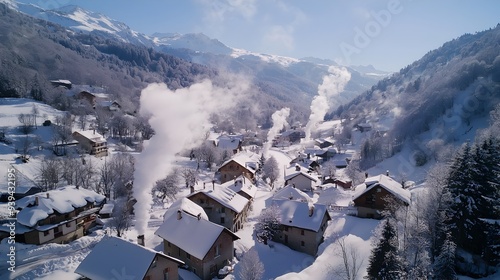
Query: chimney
36	200
140	240
366	174
311	210
387	173
48	195
179	214
297	167
203	185
191	189
199	216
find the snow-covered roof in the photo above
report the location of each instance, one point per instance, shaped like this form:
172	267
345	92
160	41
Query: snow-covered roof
248	160
297	173
242	184
113	257
91	135
385	182
296	214
228	142
187	206
62	200
107	208
226	197
291	193
61	81
193	235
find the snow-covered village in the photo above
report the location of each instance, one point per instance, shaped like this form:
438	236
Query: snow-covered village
174	156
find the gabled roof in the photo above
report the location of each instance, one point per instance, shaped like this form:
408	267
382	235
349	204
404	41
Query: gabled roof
228	142
385	182
296	214
62	200
297	173
225	196
187	206
248	160
113	257
242	184
291	193
193	235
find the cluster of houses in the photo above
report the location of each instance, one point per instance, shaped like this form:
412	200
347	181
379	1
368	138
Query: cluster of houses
199	230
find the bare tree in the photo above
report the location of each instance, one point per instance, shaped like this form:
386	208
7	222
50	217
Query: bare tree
269	224
35	112
189	176
271	171
328	169
25	146
351	261
107	178
251	268
166	189
27	122
121	219
353	171
49	174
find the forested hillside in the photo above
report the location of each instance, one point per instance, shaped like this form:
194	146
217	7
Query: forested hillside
444	94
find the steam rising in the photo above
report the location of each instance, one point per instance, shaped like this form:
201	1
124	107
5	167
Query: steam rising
332	85
279	120
180	120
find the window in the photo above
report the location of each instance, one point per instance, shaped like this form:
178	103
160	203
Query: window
168	244
223	209
302	243
188	256
301	232
52	219
379	189
217	250
56	229
286	228
45	233
202	201
68	225
222	220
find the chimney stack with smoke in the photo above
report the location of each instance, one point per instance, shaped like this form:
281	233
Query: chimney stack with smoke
311	210
140	240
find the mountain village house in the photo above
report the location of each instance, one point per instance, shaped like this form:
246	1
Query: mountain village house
229	143
205	247
302	225
113	257
57	216
244	163
300	179
373	196
243	187
289	192
223	205
93	142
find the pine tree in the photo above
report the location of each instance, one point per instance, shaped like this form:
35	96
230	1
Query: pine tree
385	262
464	223
444	264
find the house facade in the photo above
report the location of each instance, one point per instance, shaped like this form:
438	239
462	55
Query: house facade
223	206
93	142
376	193
302	227
126	258
242	164
300	180
205	247
57	216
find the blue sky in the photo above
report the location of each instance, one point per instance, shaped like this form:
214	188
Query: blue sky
388	34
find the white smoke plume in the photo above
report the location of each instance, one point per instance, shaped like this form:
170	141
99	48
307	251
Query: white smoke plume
279	120
179	118
333	84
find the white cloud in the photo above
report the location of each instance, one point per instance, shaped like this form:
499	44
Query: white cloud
217	10
279	38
